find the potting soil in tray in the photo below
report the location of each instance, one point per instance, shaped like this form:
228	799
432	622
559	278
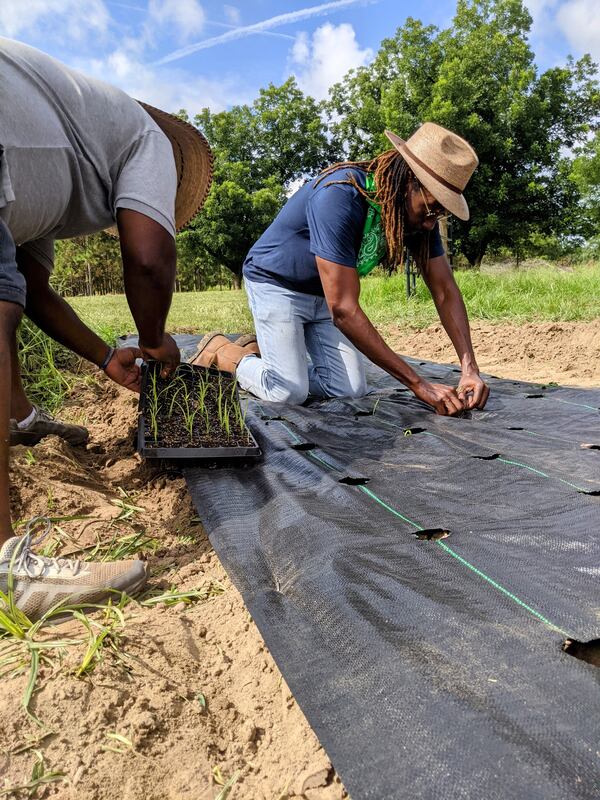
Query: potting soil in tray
193	408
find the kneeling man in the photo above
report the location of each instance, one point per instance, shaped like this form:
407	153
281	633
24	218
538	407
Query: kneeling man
302	276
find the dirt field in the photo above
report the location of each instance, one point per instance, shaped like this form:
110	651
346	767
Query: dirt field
197	698
565	352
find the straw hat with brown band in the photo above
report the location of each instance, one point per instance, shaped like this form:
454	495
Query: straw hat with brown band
193	161
442	162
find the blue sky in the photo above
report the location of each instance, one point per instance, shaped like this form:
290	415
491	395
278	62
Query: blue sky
194	53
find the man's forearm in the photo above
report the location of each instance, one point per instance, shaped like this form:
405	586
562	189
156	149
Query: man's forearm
149	260
56	318
149	292
355	324
453	316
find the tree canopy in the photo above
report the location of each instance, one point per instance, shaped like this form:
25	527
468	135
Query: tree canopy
479	78
538	180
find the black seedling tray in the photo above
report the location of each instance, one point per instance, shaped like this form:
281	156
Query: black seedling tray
221	454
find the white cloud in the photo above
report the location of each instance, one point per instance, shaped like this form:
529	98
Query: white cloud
262	26
168	89
324	60
70	20
233	14
186	16
579	20
301	49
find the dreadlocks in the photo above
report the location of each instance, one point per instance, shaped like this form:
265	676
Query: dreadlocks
392	180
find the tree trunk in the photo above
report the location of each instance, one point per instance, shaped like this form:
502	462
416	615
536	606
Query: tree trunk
237	281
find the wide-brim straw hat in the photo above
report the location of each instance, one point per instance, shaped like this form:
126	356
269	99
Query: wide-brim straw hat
193	161
442	162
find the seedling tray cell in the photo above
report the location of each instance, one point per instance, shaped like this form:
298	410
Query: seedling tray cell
195	415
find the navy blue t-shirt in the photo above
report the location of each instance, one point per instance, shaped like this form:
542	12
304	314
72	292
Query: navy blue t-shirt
328	222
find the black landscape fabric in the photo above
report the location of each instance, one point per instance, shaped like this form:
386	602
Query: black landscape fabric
428	667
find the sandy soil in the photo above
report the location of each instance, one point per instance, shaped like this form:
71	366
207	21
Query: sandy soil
251	724
565	352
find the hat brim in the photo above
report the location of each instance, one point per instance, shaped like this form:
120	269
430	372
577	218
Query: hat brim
452	201
193	161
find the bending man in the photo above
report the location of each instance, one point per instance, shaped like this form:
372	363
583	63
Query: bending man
76	155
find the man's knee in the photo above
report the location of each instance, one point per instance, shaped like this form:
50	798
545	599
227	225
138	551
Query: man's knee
353	385
293	395
357	387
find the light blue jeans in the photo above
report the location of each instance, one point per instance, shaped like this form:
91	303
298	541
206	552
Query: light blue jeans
290	328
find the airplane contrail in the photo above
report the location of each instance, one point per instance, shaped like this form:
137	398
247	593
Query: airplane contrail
259	27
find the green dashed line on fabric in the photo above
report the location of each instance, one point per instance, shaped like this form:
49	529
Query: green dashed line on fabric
503	590
389	508
572	403
539	472
291	433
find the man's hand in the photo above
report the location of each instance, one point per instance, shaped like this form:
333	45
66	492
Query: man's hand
123	370
167	353
472	390
443	398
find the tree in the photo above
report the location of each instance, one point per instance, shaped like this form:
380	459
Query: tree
88	265
282	135
479	79
585	175
259	150
231	220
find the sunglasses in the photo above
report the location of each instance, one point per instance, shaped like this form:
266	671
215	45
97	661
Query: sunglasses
430	213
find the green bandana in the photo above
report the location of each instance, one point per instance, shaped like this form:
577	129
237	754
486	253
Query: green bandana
373	245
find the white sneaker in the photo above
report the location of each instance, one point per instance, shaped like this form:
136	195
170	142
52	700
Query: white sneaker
39	583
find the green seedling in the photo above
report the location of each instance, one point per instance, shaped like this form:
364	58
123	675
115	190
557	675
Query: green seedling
105	633
226	784
40	776
173	596
201	701
188	414
240	414
32	742
128	509
153	399
123	547
29	458
202	390
186	538
118	744
118	547
173	390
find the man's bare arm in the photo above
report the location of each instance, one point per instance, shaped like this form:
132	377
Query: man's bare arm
453	316
341	286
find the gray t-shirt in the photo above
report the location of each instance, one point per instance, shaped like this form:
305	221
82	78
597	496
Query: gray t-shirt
73	150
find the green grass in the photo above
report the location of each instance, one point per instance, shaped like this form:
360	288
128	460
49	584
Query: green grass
225	311
48	370
522	295
516	296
